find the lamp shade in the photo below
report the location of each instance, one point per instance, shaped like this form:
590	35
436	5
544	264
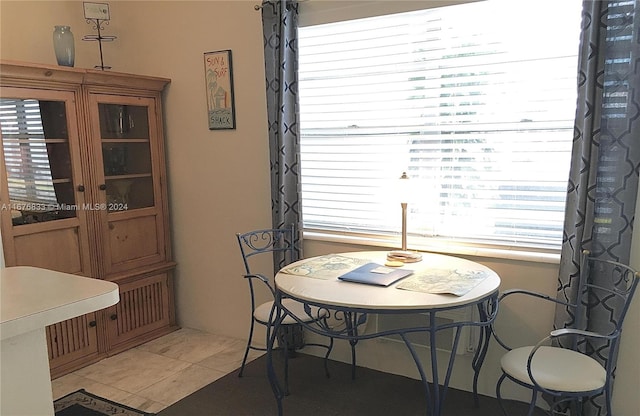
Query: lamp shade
403	190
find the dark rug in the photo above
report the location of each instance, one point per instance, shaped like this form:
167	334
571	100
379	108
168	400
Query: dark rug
83	403
372	393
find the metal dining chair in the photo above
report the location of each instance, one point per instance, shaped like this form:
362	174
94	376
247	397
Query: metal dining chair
562	370
280	243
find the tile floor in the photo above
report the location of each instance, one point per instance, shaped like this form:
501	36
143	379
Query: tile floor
159	373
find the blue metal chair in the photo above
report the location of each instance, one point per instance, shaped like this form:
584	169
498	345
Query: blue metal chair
280	243
561	370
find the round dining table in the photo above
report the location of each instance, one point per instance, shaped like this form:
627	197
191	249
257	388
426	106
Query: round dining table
438	283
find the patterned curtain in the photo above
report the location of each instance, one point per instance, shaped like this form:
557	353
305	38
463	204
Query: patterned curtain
606	159
280	29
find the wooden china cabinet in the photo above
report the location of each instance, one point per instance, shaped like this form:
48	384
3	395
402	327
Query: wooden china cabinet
83	191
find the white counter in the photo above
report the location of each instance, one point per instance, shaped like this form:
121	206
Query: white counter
31	299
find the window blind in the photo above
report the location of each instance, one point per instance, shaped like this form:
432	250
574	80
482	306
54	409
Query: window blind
478	110
25	152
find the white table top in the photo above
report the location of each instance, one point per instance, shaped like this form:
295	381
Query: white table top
32	298
356	295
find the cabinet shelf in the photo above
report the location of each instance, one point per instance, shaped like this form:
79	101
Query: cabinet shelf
61	180
127	176
31	139
136	140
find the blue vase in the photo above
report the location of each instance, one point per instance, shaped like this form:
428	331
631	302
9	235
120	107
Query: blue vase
63	45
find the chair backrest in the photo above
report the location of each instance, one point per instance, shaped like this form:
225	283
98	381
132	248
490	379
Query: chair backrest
278	241
605	290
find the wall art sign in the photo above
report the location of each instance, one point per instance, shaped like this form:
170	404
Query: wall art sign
219	86
96	11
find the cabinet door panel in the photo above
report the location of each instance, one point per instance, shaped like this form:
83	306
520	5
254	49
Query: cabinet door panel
133	239
43	249
143	307
71	340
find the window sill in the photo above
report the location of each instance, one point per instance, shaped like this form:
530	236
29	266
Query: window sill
439	246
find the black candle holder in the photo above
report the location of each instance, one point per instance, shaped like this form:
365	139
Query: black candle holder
98	24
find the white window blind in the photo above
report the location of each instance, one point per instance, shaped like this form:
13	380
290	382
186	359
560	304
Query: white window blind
25	152
476	102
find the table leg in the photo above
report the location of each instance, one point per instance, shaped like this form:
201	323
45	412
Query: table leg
434	364
447	379
351	322
487	312
418	363
436	400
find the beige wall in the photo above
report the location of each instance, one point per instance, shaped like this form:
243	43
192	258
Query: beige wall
219	180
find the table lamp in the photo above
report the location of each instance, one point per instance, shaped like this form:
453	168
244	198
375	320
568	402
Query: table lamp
404	194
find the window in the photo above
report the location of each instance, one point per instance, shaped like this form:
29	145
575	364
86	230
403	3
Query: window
476	107
25	151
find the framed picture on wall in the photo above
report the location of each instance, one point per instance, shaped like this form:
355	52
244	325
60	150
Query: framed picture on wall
219	87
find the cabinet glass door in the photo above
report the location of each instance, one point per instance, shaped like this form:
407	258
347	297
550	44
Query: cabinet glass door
42	194
126	156
35	142
127	140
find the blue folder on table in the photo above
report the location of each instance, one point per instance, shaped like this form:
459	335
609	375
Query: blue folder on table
375	274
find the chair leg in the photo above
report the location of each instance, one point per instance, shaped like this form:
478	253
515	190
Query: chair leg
532	405
607	398
578	406
553	406
246	351
285	351
498	396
